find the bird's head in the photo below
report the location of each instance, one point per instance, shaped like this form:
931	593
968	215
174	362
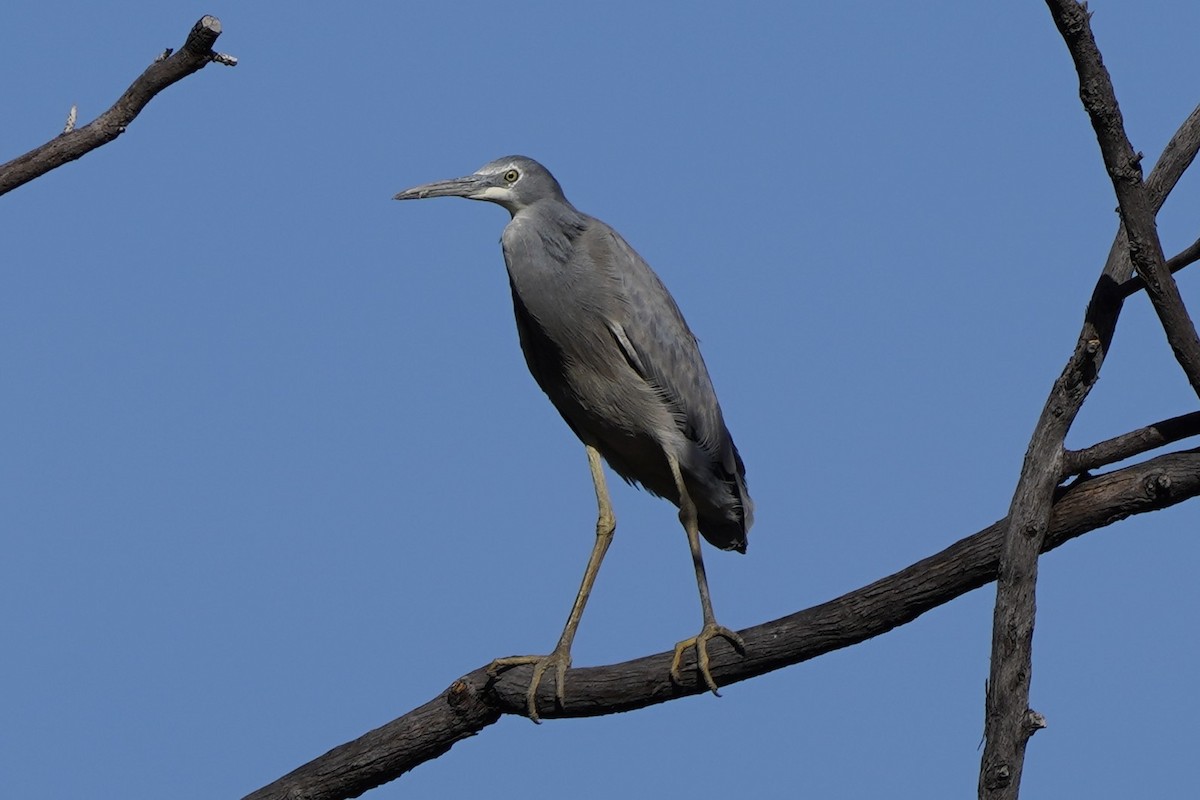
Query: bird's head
515	182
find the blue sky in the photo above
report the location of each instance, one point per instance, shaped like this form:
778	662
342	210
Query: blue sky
272	470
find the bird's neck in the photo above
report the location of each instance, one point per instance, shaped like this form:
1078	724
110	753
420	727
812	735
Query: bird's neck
557	226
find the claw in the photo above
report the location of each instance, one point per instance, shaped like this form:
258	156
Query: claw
560	660
700	642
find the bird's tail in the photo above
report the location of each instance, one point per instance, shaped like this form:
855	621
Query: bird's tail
725	523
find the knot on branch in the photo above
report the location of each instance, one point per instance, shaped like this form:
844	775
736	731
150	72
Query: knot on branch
1158	485
1034	722
464	696
1130	170
997	777
458	693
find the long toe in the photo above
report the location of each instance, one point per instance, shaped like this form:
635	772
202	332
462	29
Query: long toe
700	642
559	660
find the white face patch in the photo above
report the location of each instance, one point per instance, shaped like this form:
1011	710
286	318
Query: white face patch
494	193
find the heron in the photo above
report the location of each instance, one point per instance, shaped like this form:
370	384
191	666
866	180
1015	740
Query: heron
608	345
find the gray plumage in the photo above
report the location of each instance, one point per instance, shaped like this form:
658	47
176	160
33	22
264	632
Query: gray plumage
607	344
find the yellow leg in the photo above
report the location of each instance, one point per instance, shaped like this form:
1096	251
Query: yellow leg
560	659
687	516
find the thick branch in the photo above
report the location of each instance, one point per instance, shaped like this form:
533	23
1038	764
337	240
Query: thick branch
74	143
1131	444
472	702
1007	699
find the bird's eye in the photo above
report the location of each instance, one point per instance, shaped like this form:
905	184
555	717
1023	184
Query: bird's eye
511	176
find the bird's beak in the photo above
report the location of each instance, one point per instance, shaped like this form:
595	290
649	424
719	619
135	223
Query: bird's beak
467	186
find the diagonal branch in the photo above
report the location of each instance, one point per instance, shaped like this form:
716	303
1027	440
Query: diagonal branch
1134	443
75	142
1124	168
1009	722
1176	157
472	703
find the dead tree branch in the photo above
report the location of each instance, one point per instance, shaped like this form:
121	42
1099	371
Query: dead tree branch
473	702
1007	713
1125	171
74	142
1131	444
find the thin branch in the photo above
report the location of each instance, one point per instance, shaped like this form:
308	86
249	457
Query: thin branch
1189	255
473	702
1176	157
1130	444
76	142
1007	711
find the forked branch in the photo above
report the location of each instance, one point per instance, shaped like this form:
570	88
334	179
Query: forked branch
1125	170
1007	713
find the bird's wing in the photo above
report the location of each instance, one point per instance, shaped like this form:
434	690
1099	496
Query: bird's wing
656	341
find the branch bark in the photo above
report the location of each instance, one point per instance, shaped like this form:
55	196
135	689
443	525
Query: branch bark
473	701
74	143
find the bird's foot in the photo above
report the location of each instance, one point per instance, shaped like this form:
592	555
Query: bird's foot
700	642
560	659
